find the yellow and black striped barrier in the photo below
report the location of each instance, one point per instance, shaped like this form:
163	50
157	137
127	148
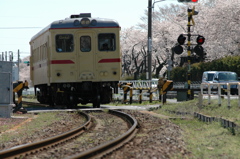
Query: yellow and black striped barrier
164	86
126	87
18	88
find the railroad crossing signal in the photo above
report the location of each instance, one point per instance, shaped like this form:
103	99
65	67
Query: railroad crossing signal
181	40
187	1
198	49
200	40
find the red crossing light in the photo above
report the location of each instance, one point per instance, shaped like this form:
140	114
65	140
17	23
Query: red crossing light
200	40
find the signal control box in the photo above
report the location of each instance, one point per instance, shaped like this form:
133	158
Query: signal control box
6	90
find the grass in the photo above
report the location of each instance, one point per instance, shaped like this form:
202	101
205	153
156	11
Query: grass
207	140
213	109
38	123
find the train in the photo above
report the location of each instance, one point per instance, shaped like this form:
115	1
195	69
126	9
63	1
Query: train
76	60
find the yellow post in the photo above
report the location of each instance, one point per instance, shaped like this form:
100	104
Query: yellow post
131	94
150	96
125	90
140	96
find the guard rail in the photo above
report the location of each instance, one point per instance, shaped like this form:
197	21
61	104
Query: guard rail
210	86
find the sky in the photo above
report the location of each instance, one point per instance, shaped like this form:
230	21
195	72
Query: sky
22	19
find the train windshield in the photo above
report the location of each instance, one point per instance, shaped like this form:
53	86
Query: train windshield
64	43
85	43
106	42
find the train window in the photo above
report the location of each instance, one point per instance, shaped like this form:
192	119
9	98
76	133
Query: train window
106	42
85	43
64	43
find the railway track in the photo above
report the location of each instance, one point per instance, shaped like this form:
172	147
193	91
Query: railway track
114	144
41	105
26	150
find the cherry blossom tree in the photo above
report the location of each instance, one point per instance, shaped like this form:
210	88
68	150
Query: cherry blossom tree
218	21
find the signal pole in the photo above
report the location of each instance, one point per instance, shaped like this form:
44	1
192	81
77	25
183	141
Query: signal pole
189	54
191	12
199	50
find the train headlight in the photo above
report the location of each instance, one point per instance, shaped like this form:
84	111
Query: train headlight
76	22
85	22
105	73
93	22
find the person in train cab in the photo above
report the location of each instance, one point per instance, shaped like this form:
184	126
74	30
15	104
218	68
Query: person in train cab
105	46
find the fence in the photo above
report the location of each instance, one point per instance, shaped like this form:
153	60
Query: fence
142	83
218	87
137	89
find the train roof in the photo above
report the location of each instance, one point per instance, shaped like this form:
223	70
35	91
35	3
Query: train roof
80	21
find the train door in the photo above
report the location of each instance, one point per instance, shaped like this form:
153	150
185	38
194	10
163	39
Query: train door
86	57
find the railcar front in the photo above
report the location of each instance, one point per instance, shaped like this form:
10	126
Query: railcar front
83	61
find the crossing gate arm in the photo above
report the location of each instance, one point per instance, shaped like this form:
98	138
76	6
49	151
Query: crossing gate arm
18	88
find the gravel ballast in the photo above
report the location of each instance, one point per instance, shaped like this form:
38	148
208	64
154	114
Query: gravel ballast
156	137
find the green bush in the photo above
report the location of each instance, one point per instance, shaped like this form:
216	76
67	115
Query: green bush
229	63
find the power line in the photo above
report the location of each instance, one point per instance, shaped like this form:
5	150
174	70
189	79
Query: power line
20	27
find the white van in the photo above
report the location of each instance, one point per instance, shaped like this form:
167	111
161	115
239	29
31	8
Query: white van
221	77
208	76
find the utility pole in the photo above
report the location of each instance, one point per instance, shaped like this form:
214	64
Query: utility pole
18	64
149	73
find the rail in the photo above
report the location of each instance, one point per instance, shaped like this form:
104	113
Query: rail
210	86
113	144
23	150
18	152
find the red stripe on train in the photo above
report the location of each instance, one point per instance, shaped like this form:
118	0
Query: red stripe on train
109	60
62	62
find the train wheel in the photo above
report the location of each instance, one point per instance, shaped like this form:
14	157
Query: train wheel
96	102
40	98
